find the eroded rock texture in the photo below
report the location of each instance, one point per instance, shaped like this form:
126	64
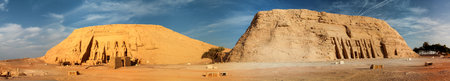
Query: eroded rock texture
144	44
303	35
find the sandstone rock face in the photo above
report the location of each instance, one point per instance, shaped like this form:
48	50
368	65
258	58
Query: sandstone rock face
294	35
144	44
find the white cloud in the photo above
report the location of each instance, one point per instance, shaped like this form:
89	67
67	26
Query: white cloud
176	2
3	5
407	22
410	21
17	41
428	21
418	10
376	6
134	7
55	32
57	16
14	35
10	31
231	21
236	21
94	17
372	8
112	18
32	32
417	24
356	7
422	29
10	28
110	12
33	29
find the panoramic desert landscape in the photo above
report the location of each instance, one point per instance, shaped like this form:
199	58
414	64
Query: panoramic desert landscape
274	44
351	70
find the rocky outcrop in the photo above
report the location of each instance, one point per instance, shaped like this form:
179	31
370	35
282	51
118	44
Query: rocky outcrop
303	35
144	44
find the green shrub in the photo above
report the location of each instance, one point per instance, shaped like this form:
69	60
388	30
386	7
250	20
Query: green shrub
436	48
215	54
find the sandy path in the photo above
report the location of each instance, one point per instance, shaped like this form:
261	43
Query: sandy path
352	70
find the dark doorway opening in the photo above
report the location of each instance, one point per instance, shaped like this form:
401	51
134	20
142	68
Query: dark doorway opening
383	50
396	53
108	58
123	63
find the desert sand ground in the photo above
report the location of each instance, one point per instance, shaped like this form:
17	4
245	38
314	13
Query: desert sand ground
353	70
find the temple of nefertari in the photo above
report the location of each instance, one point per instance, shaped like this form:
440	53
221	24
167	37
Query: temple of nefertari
126	44
293	35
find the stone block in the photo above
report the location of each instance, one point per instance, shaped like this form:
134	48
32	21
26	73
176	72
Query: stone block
5	74
17	74
223	74
73	73
215	74
428	63
209	67
126	61
115	62
341	62
376	66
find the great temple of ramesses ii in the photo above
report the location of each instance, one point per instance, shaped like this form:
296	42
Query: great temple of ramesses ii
142	44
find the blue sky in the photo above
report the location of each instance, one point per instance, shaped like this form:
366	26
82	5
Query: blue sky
28	28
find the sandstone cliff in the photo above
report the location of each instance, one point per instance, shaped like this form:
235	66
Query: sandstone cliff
303	35
144	44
